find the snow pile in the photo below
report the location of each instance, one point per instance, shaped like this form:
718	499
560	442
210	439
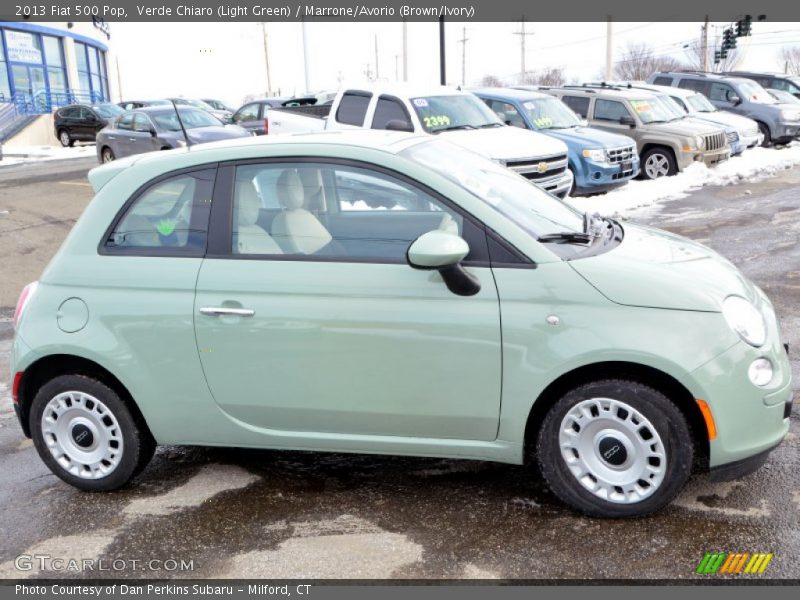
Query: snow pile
753	165
15	155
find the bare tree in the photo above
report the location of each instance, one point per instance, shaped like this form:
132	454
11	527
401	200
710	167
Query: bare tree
552	76
491	81
790	55
639	61
694	58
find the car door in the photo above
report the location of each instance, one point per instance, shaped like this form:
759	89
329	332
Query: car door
608	114
249	117
141	138
720	95
312	328
119	138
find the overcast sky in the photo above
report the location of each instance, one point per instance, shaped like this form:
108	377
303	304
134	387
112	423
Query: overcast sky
226	60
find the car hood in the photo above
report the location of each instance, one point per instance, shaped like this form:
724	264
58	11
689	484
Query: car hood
589	137
656	269
720	117
686	126
506	143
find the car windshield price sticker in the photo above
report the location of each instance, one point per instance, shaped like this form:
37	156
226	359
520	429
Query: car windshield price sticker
420	102
436	121
641	106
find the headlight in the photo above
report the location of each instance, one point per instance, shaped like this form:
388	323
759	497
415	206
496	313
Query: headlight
699	142
745	320
595	154
790	115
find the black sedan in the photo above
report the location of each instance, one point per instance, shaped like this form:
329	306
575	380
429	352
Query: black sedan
81	122
158	128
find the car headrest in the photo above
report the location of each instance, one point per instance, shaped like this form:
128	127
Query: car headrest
291	193
249	203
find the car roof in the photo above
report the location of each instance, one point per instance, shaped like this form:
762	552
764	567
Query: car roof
405	90
516	94
705	76
624	92
670	90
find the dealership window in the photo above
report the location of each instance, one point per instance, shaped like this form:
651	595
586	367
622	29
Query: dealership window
5	88
54	57
92	75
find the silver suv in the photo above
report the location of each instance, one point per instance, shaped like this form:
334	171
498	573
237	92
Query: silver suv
666	143
779	123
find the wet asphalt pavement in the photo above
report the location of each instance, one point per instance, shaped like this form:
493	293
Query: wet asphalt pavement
245	513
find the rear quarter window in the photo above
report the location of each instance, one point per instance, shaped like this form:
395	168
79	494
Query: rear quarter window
353	108
578	104
662	81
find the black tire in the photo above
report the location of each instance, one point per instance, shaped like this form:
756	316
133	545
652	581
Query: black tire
668	421
659	153
138	445
762	127
65	138
107	155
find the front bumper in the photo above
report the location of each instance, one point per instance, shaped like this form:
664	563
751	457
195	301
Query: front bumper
786	129
592	177
751	141
559	185
711	158
750	420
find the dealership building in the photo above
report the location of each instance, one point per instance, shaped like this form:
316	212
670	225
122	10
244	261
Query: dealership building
47	65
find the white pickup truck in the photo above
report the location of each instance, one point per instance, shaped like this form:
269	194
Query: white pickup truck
461	116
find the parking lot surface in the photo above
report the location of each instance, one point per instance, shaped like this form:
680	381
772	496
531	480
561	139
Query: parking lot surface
246	513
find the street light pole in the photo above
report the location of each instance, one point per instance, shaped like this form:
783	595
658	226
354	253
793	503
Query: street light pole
463	41
305	58
266	56
442	67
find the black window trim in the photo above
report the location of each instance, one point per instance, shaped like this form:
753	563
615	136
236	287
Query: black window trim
392	99
363	93
220	232
162	251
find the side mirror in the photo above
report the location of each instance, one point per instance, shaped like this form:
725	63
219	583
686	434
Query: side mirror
153	132
444	252
627	120
399	125
734	99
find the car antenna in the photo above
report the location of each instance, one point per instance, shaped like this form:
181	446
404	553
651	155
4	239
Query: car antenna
180	122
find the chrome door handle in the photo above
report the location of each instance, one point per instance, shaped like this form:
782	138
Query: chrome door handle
216	311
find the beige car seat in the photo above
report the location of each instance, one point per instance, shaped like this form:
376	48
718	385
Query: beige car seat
296	229
248	237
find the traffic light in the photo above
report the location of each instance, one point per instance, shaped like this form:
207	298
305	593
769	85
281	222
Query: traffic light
717	56
744	26
728	39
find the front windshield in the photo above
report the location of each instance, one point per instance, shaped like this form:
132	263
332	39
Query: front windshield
453	111
651	110
700	103
510	194
677	111
107	111
192	119
550	113
753	92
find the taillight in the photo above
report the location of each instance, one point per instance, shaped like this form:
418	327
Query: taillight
24	298
266	126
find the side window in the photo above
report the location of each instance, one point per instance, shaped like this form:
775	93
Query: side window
388	109
353	108
333	212
578	104
680	102
695	85
720	92
609	110
247	113
141	122
125	121
169	218
662	81
508	113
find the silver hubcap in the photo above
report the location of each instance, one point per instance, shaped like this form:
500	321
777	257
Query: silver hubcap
657	165
82	434
107	156
612	450
64	138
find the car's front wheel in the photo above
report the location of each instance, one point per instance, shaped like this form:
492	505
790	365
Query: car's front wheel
87	435
615	448
107	154
65	138
658	162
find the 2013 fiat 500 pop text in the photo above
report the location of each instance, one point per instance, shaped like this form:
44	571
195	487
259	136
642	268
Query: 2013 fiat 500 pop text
380	292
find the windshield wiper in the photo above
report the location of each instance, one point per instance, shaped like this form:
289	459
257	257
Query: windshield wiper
487	125
566	237
454	128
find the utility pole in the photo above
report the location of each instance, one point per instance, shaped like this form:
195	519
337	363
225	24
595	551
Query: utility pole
704	44
405	51
377	70
266	55
442	64
463	41
305	58
609	48
119	79
522	35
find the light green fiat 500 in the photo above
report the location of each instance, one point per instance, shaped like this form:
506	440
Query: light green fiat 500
380	292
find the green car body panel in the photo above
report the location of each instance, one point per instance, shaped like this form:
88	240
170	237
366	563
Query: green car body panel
382	358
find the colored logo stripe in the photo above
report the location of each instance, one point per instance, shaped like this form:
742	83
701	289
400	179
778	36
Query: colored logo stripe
721	562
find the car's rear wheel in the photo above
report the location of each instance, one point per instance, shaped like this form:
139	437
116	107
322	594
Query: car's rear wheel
658	162
65	138
615	448
87	435
108	155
